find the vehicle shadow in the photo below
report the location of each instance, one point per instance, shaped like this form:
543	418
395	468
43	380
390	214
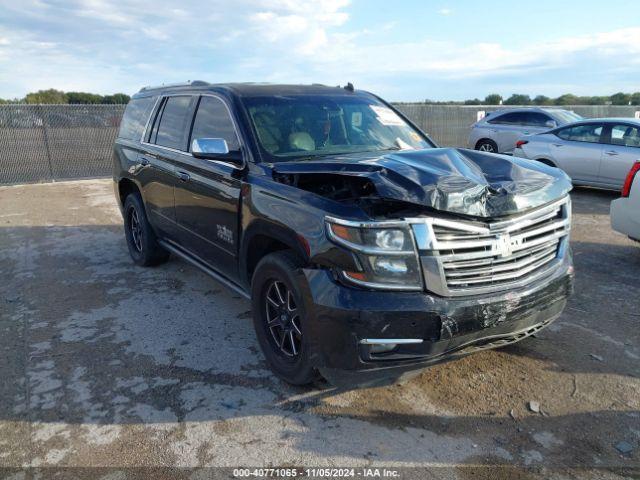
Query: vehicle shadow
592	200
92	340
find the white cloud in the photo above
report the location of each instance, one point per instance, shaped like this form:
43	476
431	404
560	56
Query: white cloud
105	46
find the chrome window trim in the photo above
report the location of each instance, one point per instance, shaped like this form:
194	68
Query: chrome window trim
189	154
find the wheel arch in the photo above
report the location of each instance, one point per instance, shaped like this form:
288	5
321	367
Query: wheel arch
546	161
126	186
263	238
486	139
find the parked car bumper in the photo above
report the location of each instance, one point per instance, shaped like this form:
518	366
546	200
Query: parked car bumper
625	216
519	152
346	324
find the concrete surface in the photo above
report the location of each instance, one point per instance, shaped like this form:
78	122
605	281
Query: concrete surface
108	364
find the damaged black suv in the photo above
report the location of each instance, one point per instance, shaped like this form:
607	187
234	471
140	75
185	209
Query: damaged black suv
368	253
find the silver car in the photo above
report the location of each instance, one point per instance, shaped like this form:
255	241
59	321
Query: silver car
597	152
499	131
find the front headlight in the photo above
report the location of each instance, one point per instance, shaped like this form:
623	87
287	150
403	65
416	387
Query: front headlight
386	254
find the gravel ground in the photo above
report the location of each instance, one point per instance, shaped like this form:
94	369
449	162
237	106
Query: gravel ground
107	364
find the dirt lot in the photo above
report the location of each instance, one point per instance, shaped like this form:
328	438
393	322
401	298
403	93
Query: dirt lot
107	364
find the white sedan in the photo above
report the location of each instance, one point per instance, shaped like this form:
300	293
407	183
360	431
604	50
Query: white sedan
625	211
597	152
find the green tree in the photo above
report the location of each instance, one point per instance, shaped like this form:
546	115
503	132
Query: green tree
566	99
635	98
116	98
542	100
518	99
493	99
620	98
595	100
83	97
475	101
46	96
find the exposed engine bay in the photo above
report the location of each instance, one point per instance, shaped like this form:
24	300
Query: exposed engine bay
358	191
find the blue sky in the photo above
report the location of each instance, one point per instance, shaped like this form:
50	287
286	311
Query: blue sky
402	50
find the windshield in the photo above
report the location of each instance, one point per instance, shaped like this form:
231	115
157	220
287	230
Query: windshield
565	116
294	126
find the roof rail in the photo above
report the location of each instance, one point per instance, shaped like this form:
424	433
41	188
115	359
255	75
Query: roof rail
189	83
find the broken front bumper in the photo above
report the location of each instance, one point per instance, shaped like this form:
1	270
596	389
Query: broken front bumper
347	325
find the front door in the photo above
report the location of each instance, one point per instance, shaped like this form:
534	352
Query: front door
207	194
621	151
578	151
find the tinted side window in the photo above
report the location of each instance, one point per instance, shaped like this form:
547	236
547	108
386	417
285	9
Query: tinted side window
513	118
135	118
582	133
536	119
213	121
174	122
625	135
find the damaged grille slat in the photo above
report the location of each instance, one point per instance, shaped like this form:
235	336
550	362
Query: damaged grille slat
466	258
503	276
503	267
491	260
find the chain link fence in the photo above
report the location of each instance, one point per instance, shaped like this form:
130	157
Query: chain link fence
43	143
449	125
40	143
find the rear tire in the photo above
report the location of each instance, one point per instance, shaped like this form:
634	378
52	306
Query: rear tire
279	318
487	145
141	239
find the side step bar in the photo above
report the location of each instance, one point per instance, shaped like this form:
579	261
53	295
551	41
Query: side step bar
209	271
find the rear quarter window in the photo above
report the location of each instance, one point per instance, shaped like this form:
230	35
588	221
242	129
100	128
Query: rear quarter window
135	118
511	118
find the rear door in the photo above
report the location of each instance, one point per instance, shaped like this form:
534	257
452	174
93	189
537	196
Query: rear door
165	143
536	122
207	193
506	129
578	151
621	151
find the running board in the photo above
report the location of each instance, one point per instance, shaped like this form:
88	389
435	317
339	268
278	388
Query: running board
209	271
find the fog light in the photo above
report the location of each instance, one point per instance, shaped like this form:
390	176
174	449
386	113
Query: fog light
382	348
390	265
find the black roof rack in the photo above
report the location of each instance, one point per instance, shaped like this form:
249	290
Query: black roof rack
189	83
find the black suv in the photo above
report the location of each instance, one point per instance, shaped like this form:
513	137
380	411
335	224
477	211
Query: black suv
367	252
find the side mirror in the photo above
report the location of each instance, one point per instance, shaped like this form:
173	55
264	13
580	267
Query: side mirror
551	124
215	149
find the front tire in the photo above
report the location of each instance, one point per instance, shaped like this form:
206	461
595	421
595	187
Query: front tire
488	146
279	318
141	239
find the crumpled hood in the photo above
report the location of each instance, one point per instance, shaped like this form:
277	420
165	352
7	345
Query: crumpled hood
453	180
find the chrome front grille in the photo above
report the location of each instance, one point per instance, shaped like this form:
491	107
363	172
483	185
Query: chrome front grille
467	258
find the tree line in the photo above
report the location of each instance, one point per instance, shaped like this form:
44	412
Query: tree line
57	96
619	98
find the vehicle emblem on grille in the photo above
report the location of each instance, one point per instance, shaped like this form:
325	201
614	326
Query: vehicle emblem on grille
505	245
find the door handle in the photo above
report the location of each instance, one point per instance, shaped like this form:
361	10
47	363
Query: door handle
612	153
185	177
557	144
